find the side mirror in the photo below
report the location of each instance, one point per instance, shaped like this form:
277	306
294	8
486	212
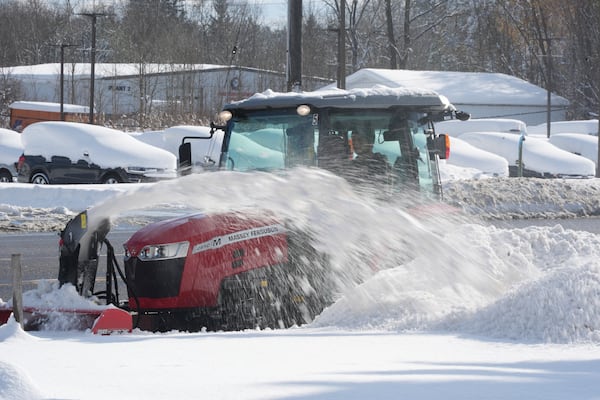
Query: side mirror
462	116
185	158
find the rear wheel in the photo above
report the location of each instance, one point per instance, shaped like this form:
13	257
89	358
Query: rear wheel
5	176
40	178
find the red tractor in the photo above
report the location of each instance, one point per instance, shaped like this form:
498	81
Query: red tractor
233	271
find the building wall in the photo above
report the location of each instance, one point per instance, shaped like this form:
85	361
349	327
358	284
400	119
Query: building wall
202	91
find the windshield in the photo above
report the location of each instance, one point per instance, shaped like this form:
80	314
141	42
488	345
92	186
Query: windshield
378	146
267	141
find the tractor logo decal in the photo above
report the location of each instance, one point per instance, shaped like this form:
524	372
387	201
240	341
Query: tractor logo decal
240	236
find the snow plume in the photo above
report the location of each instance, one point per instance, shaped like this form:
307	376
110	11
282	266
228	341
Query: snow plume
356	232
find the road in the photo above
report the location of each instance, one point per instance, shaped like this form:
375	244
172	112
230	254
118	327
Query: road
39	251
39	257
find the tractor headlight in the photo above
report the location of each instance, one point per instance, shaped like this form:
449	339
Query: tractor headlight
163	251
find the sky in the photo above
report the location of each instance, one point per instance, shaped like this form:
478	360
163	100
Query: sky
469	309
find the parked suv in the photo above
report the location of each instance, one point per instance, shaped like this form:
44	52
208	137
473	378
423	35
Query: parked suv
70	152
10	149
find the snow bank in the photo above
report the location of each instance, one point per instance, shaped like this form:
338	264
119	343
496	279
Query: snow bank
15	383
509	198
534	284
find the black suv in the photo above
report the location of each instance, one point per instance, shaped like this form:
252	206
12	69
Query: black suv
70	152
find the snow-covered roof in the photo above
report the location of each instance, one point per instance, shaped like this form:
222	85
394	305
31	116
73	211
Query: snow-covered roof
460	87
46	106
102	70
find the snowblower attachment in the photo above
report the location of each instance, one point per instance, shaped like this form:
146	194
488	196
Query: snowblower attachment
79	247
80	243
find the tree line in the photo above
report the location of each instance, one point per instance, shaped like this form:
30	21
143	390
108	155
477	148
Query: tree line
552	43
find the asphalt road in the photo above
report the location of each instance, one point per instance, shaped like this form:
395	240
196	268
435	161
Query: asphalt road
39	258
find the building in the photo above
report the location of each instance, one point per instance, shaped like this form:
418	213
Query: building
483	95
121	89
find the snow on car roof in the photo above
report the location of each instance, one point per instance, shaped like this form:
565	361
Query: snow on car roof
105	147
456	127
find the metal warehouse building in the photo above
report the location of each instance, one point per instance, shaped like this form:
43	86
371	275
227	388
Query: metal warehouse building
131	88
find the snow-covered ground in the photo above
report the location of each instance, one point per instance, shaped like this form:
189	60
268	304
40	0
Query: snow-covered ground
473	311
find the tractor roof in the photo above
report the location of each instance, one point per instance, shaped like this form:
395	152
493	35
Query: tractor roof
375	97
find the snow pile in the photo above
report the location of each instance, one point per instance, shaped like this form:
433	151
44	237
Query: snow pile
533	284
15	383
49	296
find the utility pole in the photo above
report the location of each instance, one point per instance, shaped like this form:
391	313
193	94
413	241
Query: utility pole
342	46
598	155
62	78
94	17
294	64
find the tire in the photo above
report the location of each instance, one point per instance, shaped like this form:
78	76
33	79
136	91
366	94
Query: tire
111	179
40	178
5	177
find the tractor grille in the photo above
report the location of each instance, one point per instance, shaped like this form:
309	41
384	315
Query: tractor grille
155	279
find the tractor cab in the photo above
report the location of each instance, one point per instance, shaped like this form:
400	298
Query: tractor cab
372	137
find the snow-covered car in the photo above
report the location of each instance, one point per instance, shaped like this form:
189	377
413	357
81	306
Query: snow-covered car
465	155
205	153
577	143
456	127
539	157
586	127
10	150
70	152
